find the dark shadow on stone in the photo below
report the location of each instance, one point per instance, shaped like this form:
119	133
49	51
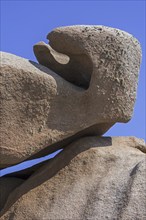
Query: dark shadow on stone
26	173
95	130
7	185
77	70
91	131
57	76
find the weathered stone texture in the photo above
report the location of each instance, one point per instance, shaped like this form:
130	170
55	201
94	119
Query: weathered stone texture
96	178
86	95
85	82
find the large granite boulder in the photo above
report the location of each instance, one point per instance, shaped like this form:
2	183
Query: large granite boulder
92	178
93	87
85	82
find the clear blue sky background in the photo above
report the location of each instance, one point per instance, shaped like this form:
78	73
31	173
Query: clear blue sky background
24	23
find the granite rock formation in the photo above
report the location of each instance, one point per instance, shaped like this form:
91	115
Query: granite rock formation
92	178
85	82
86	96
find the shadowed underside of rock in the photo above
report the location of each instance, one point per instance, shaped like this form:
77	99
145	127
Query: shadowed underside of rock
93	86
92	178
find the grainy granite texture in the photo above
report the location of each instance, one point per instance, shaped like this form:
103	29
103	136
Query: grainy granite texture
85	82
92	178
95	89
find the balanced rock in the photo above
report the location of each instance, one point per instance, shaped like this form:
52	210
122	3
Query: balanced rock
92	178
93	87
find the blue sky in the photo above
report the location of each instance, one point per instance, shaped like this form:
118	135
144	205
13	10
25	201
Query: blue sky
24	23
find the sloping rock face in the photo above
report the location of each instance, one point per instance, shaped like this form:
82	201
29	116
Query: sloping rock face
93	87
85	82
96	178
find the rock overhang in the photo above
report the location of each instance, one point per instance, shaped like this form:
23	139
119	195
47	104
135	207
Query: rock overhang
87	95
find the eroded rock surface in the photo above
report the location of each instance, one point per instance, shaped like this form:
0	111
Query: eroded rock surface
85	82
105	60
92	178
93	87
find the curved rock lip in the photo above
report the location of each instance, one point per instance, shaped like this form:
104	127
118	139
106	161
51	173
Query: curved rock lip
93	87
